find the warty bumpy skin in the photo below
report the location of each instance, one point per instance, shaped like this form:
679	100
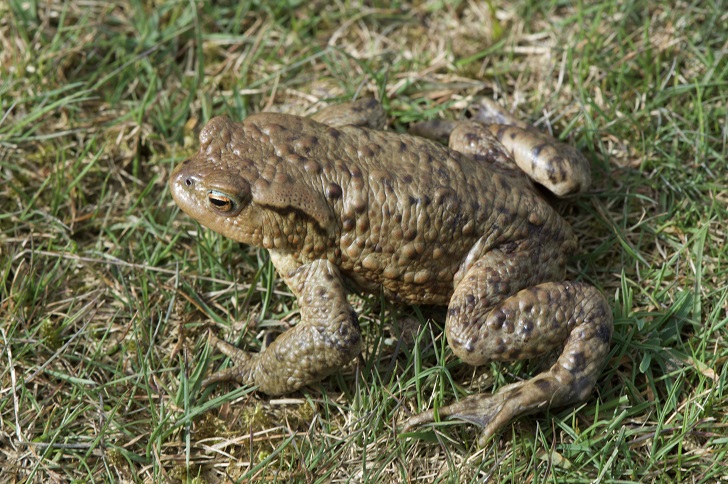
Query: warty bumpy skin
460	226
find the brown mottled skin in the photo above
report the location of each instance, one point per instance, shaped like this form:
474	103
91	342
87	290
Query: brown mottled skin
460	227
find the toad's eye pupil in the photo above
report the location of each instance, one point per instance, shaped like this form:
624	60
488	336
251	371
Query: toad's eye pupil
219	201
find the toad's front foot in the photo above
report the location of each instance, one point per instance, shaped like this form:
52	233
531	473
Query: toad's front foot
242	370
325	339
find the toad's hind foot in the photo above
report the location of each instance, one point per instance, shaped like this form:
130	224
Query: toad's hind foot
493	411
528	324
560	168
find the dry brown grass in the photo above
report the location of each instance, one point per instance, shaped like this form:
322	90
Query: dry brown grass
107	292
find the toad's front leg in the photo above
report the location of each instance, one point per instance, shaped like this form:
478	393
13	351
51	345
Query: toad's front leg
326	338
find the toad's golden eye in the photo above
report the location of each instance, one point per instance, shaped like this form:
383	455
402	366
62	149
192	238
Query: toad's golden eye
220	202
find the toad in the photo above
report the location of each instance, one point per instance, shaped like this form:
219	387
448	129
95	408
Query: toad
338	203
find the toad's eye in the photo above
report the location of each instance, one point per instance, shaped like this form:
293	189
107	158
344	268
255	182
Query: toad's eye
221	202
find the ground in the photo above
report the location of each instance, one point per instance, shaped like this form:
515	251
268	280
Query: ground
107	291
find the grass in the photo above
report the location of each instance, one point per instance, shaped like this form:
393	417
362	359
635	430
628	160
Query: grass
107	291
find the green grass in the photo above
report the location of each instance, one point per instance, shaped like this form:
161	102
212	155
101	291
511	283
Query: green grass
107	291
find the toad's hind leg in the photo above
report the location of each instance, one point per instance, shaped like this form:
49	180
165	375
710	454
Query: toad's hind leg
532	322
561	168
